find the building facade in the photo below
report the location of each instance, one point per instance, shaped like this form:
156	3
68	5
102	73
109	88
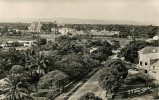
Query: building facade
148	59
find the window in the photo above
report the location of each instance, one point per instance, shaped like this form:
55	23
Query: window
141	63
146	63
26	42
145	71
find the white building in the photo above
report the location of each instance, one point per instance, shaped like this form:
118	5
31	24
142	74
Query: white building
27	43
156	37
104	33
65	31
149	59
153	39
93	49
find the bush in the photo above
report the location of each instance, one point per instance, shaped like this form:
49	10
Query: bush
41	94
89	96
137	79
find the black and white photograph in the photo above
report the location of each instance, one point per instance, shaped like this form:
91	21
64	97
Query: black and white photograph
79	49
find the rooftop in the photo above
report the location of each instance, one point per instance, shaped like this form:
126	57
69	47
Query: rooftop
148	50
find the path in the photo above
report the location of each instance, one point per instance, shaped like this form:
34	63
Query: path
65	95
90	86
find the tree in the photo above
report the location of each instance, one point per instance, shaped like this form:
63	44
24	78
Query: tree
112	75
118	66
17	69
89	96
14	89
155	43
35	60
74	66
40	63
55	80
103	52
40	41
108	81
130	52
116	44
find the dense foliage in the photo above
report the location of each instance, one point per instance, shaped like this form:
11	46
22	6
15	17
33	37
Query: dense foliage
103	50
130	51
111	76
89	96
68	59
125	30
14	88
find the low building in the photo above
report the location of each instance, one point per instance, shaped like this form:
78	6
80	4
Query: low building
27	43
156	37
65	31
54	30
35	27
48	37
149	59
153	39
149	40
104	33
93	49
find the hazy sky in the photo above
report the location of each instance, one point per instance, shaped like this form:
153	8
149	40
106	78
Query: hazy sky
133	10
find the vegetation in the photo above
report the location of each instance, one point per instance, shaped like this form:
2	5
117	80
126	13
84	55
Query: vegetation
130	51
103	50
125	30
137	79
89	96
53	78
140	82
66	60
112	75
14	89
51	66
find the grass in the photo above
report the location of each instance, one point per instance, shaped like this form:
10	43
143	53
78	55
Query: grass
138	84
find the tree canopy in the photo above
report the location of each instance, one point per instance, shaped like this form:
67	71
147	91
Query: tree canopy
130	51
111	76
89	96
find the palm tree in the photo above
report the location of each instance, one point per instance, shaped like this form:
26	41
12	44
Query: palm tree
35	60
14	90
40	63
29	60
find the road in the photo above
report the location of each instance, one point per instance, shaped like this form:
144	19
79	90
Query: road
90	86
66	95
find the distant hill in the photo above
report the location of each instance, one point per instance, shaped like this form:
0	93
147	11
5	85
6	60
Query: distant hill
70	21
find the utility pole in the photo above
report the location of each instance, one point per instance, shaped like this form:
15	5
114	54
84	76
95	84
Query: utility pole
132	32
53	32
84	48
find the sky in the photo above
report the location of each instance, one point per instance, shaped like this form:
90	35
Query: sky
124	10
